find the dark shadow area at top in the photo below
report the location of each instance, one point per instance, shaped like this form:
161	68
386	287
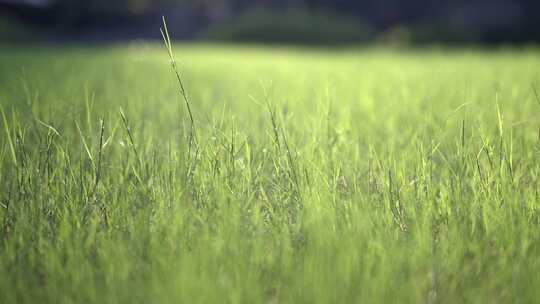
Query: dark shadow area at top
305	22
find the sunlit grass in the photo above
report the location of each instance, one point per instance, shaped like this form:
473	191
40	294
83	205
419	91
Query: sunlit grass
333	176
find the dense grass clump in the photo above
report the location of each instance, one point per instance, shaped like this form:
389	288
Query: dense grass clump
305	176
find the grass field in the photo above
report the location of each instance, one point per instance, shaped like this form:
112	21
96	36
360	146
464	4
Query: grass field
307	176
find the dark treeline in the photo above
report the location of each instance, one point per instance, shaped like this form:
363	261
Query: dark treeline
478	20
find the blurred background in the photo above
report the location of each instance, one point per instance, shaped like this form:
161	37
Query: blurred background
317	22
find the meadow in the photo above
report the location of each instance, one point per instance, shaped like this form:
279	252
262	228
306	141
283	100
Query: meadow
297	175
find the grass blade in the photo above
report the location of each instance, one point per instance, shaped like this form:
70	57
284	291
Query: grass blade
8	136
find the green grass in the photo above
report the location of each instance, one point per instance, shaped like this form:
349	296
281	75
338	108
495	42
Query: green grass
313	176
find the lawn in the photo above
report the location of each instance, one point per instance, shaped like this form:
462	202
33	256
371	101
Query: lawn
307	175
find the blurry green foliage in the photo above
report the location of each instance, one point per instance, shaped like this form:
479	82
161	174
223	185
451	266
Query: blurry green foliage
295	27
70	11
14	31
